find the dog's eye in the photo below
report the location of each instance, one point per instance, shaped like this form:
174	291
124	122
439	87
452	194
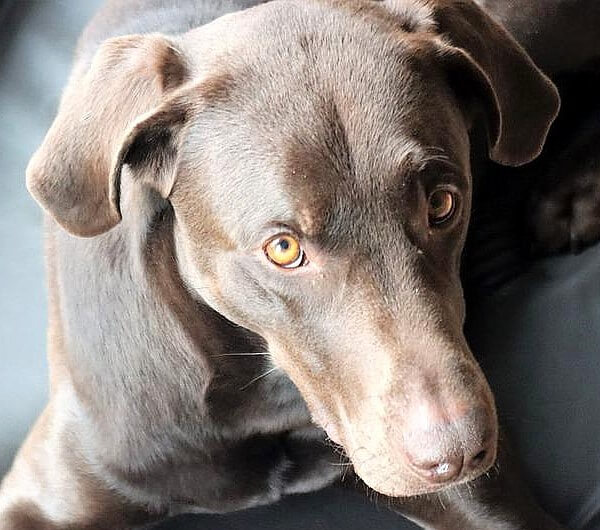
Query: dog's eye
285	251
442	205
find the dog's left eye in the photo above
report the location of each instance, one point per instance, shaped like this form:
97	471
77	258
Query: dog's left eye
285	251
442	206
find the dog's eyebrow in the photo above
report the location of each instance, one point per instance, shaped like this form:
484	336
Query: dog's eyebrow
419	158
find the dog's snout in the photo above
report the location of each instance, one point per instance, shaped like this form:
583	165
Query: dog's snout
456	448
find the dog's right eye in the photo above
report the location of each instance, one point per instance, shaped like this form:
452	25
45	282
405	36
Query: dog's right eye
284	250
442	205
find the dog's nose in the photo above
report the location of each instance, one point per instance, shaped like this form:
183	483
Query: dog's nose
452	466
449	449
446	469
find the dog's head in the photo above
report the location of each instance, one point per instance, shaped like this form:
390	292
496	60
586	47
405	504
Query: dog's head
316	157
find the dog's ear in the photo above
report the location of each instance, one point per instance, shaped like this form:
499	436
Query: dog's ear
150	148
75	173
519	100
527	101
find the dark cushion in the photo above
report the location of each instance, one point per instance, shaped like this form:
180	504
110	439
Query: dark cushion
538	340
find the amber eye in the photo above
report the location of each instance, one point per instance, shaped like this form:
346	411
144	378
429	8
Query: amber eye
285	251
442	205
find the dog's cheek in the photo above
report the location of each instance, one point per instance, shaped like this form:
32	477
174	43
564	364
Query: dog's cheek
209	278
230	289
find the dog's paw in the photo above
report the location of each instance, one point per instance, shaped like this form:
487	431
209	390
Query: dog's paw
566	216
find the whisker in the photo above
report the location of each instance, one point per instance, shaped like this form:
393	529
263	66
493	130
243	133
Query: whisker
257	378
439	496
469	490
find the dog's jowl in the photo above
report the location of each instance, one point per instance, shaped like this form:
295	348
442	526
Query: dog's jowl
254	228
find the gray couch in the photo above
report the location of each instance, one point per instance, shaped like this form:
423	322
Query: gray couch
537	333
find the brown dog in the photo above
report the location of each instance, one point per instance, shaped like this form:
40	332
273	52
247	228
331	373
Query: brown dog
256	223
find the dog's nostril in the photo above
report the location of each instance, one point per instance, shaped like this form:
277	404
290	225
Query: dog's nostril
440	472
444	471
479	457
479	460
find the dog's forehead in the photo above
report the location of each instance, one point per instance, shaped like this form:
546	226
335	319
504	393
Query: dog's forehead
334	178
317	117
279	26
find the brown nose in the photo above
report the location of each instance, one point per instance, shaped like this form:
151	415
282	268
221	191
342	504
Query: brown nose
449	451
451	467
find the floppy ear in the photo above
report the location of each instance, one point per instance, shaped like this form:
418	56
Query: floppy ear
75	173
520	101
150	149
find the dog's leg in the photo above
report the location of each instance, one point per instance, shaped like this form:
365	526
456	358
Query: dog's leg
313	463
28	497
50	488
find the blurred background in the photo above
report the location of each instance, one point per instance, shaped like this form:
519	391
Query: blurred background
37	38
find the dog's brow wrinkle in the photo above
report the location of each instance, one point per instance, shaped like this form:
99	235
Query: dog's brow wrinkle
434	154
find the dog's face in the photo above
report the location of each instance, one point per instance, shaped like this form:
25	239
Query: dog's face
318	206
316	158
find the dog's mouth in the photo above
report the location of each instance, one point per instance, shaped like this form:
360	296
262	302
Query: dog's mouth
390	468
425	449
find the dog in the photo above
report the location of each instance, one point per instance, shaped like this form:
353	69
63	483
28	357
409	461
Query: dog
255	217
